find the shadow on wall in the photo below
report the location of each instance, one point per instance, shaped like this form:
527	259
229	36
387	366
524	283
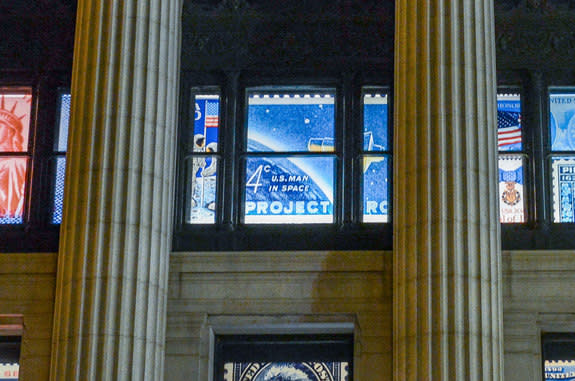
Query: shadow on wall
356	287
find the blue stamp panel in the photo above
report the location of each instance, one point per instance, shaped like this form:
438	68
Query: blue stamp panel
511	189
201	169
58	201
375	119
297	122
201	172
375	188
289	189
560	370
375	175
64	122
286	371
509	122
563	179
292	188
562	121
206	122
60	167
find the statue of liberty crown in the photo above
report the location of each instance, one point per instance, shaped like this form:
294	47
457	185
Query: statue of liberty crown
9	117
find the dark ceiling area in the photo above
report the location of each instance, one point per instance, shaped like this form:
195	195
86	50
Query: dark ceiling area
37	35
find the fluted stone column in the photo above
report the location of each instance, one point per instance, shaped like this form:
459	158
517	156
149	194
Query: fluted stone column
447	298
111	294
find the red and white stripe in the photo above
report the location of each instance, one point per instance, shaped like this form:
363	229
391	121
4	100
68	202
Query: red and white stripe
509	135
212	120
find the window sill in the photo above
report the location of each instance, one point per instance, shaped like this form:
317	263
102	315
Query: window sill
283	237
24	239
545	236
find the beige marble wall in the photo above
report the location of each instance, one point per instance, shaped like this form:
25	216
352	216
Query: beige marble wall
253	289
27	283
538	296
263	290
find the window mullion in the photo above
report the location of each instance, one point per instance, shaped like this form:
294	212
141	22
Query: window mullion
229	197
347	131
36	166
536	123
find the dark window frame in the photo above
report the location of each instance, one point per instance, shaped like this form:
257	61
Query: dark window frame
10	349
228	233
525	151
539	232
37	233
282	348
548	339
553	348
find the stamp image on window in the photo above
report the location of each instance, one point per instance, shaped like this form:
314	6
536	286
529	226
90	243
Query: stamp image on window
558	355
324	357
201	165
290	168
376	159
511	159
15	112
294	371
562	131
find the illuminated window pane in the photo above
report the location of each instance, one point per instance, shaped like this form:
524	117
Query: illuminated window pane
375	117
284	358
375	168
201	185
563	179
63	123
560	370
509	122
291	122
375	188
206	123
12	186
562	121
59	190
285	371
15	112
289	189
511	166
9	358
201	168
562	131
60	166
511	189
558	352
9	371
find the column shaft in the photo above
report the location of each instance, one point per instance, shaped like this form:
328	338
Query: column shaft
447	298
115	239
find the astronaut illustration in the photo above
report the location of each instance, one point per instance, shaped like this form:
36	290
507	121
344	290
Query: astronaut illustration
200	168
